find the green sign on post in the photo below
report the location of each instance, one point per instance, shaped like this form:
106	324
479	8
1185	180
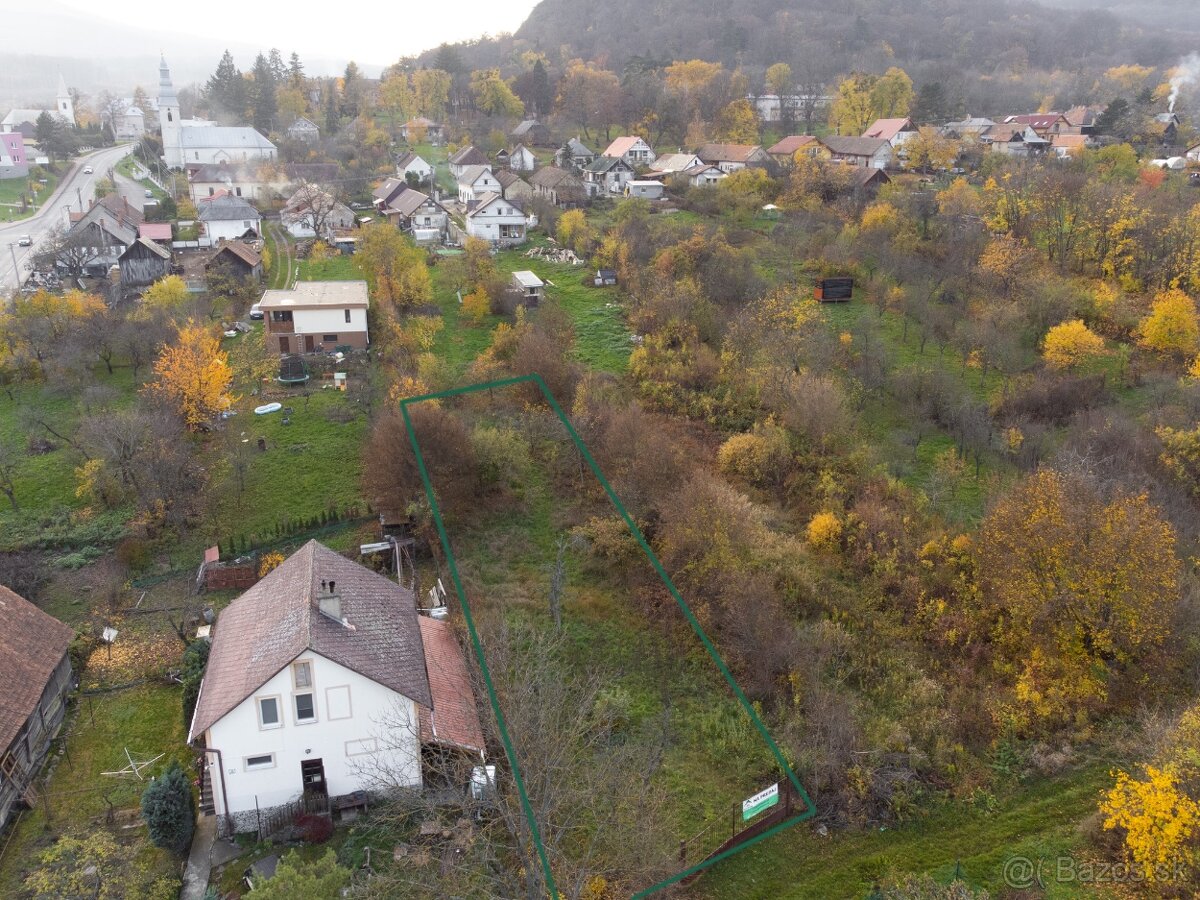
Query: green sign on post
765	799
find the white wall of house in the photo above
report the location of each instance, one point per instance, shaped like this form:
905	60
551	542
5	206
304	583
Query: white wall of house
523	161
329	321
347	736
229	229
485	183
498	222
250	190
418	167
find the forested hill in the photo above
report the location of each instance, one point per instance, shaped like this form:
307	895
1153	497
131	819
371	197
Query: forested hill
989	45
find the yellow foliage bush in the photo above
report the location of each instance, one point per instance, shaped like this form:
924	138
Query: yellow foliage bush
759	457
1172	326
824	531
476	305
268	562
1070	344
1159	820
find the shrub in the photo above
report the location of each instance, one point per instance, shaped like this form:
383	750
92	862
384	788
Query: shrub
168	810
269	562
134	554
314	829
824	531
195	659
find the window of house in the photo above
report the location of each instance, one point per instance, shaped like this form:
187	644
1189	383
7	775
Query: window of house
328	339
210	192
265	761
306	708
281	315
268	712
238	191
245	223
197	154
302	674
347	315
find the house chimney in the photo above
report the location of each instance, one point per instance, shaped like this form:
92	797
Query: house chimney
329	604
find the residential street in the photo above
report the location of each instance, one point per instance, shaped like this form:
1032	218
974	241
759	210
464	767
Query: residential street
74	188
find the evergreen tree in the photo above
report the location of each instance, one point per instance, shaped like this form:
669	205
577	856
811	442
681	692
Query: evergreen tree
191	673
331	111
278	69
352	91
295	71
263	94
168	810
226	88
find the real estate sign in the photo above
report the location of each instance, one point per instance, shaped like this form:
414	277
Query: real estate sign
764	799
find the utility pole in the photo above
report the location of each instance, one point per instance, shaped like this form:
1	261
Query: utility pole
79	196
12	248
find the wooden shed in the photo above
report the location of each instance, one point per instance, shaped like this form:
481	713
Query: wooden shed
143	263
834	290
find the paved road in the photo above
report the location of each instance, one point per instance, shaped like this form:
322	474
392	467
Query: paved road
73	188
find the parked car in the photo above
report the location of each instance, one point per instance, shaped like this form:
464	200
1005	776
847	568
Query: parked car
256	312
88	170
149	193
24	241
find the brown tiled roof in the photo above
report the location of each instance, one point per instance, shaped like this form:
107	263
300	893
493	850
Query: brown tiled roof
888	128
240	250
32	644
554	177
469	156
727	152
275	621
454	718
791	144
622	145
853	146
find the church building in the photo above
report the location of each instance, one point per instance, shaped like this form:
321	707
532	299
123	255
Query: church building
189	144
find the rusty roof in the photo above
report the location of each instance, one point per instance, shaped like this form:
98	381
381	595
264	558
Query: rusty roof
453	719
32	644
275	621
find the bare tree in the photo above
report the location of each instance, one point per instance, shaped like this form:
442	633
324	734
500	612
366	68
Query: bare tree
65	250
313	206
588	774
8	473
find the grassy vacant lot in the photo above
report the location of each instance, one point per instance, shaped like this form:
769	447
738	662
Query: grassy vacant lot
336	268
147	721
1038	820
601	335
11	190
45	482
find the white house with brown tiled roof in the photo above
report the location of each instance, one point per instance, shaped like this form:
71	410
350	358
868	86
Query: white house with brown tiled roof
319	685
631	148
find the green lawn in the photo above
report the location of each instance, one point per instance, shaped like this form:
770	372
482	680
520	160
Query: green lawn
601	335
11	190
336	268
147	721
1039	820
45	483
280	249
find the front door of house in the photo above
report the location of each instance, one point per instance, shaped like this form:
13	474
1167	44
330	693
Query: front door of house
312	776
283	344
309	344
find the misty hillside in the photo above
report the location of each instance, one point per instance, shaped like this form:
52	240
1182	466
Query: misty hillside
974	46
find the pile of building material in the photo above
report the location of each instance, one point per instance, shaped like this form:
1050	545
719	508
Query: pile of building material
554	254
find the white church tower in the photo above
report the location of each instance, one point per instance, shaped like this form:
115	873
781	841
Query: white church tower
168	118
66	106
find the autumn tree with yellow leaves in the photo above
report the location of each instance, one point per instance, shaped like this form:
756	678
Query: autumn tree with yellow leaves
193	375
1080	589
1071	344
1172	326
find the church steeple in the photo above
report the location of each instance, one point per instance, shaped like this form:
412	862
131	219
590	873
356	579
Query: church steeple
64	105
168	117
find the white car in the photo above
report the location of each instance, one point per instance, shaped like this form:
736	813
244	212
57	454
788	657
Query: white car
24	241
87	170
256	312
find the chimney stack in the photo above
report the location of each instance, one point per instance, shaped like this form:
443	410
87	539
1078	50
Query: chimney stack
329	603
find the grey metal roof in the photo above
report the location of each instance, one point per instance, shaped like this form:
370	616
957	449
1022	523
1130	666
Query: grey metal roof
226	208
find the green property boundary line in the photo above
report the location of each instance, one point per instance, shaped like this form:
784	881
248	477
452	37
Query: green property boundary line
809	809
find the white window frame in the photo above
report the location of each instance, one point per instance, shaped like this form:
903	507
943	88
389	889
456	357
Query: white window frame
247	766
265	726
297	667
296	712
